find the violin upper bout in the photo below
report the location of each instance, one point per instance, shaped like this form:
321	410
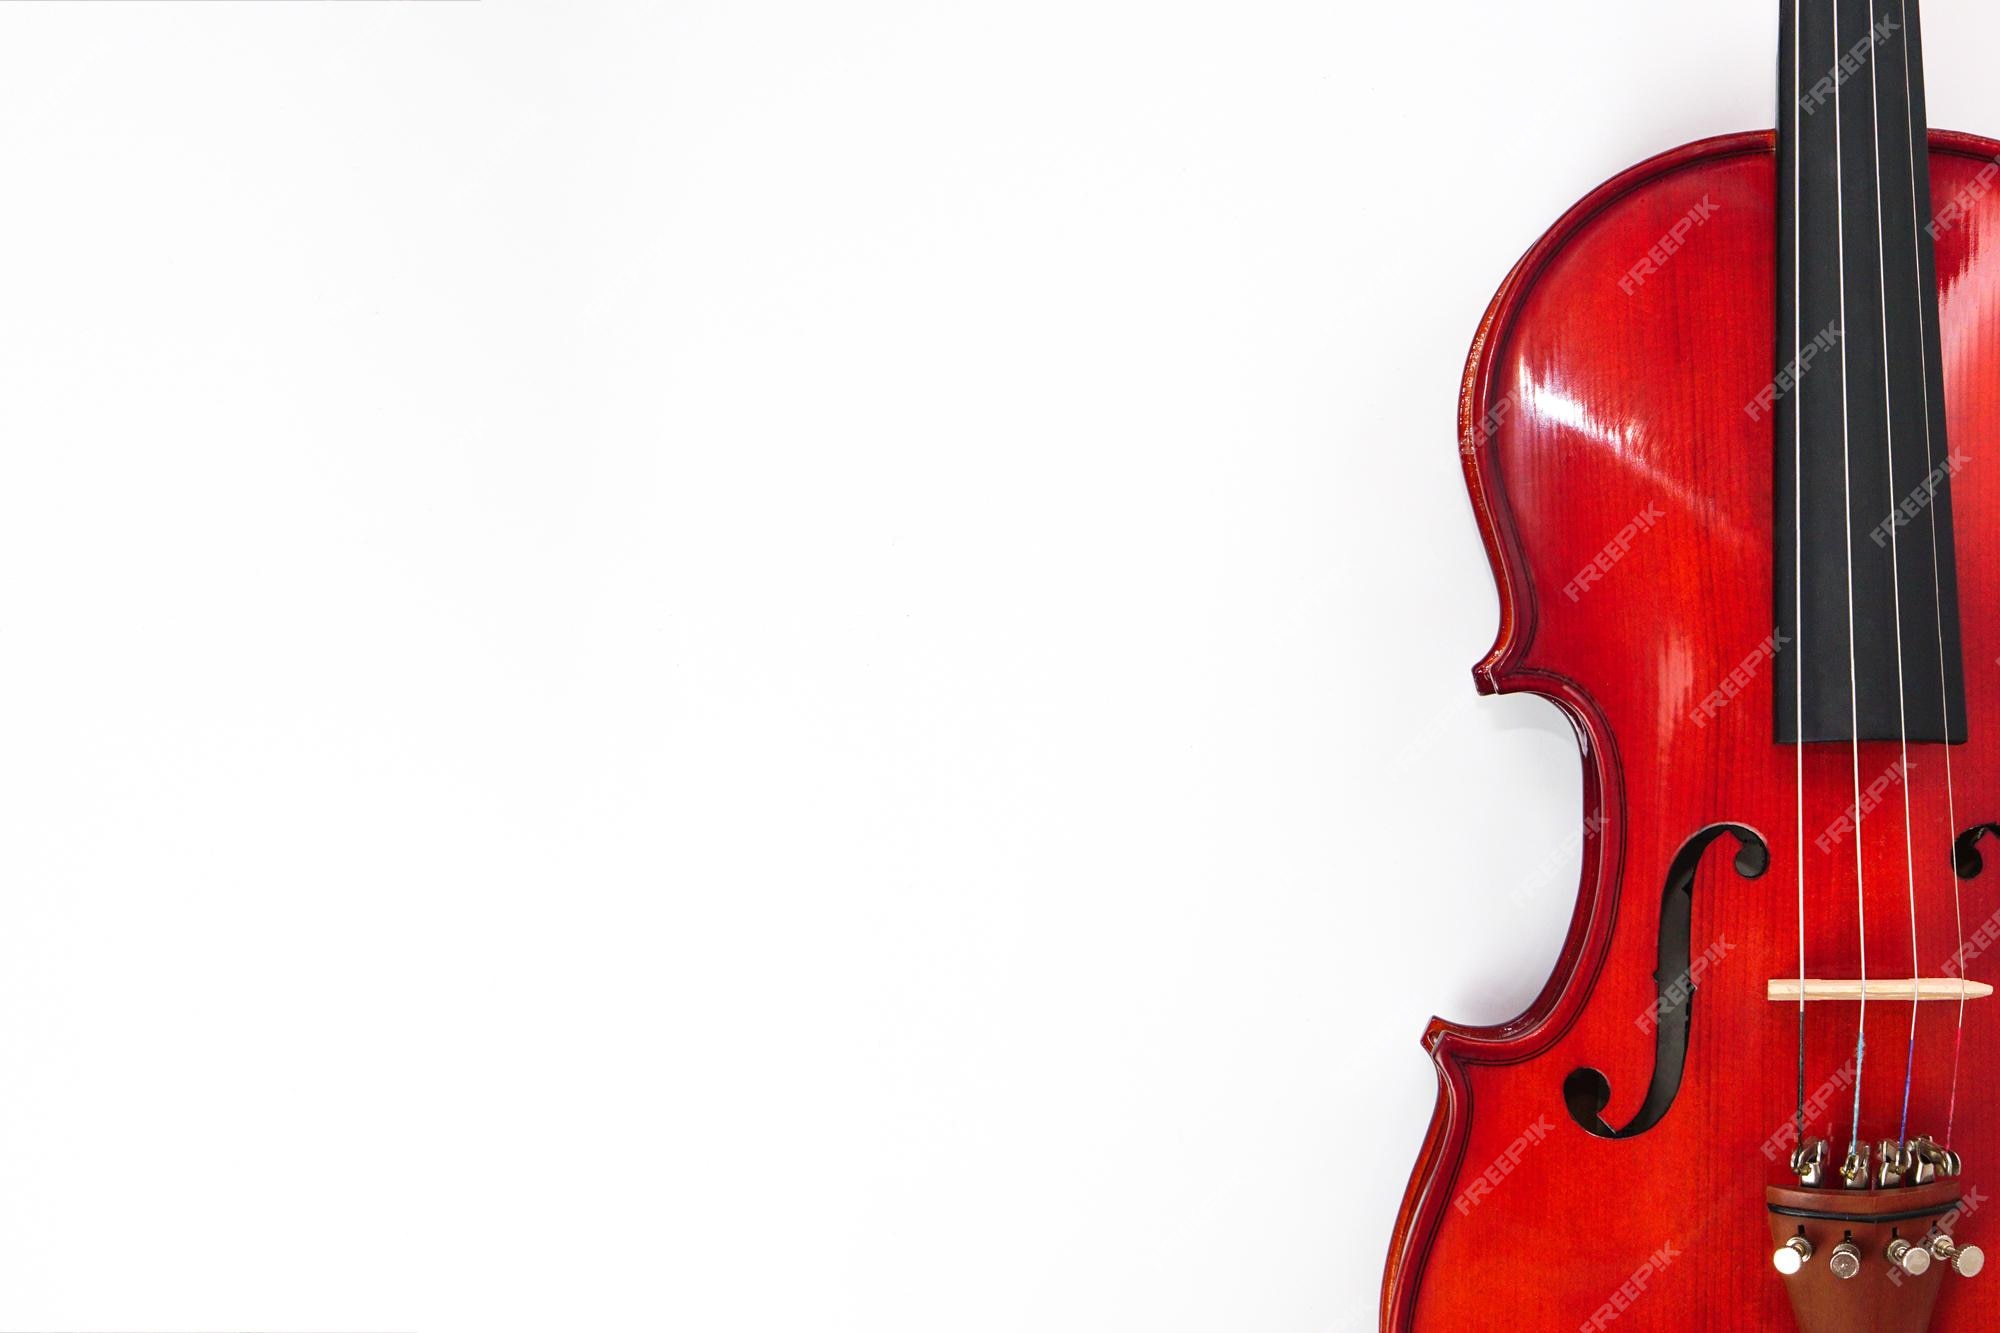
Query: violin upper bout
1615	369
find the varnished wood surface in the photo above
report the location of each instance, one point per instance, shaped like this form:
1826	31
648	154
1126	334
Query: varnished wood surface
1880	1298
1626	402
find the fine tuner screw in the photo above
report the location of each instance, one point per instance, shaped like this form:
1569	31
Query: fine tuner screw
1845	1261
1932	1162
1896	1161
1809	1163
1965	1260
1792	1256
1912	1259
1854	1171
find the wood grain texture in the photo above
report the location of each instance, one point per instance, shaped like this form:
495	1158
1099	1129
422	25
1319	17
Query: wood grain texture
1593	407
1879	1299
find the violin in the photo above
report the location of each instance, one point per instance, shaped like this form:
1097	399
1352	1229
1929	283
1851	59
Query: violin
1731	431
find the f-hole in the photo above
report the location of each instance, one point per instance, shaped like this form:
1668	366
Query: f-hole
1965	857
1586	1091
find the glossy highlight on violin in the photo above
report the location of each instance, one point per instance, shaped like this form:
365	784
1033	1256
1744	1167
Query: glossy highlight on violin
1731	431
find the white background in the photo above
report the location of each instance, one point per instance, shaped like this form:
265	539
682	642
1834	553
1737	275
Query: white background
769	666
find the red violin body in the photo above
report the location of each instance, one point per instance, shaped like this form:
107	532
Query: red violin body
1621	470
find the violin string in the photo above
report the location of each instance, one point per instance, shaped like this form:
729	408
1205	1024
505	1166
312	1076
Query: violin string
1853	674
1912	52
1798	529
1895	581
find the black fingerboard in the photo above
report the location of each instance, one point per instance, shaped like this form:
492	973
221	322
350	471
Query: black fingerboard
1867	591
